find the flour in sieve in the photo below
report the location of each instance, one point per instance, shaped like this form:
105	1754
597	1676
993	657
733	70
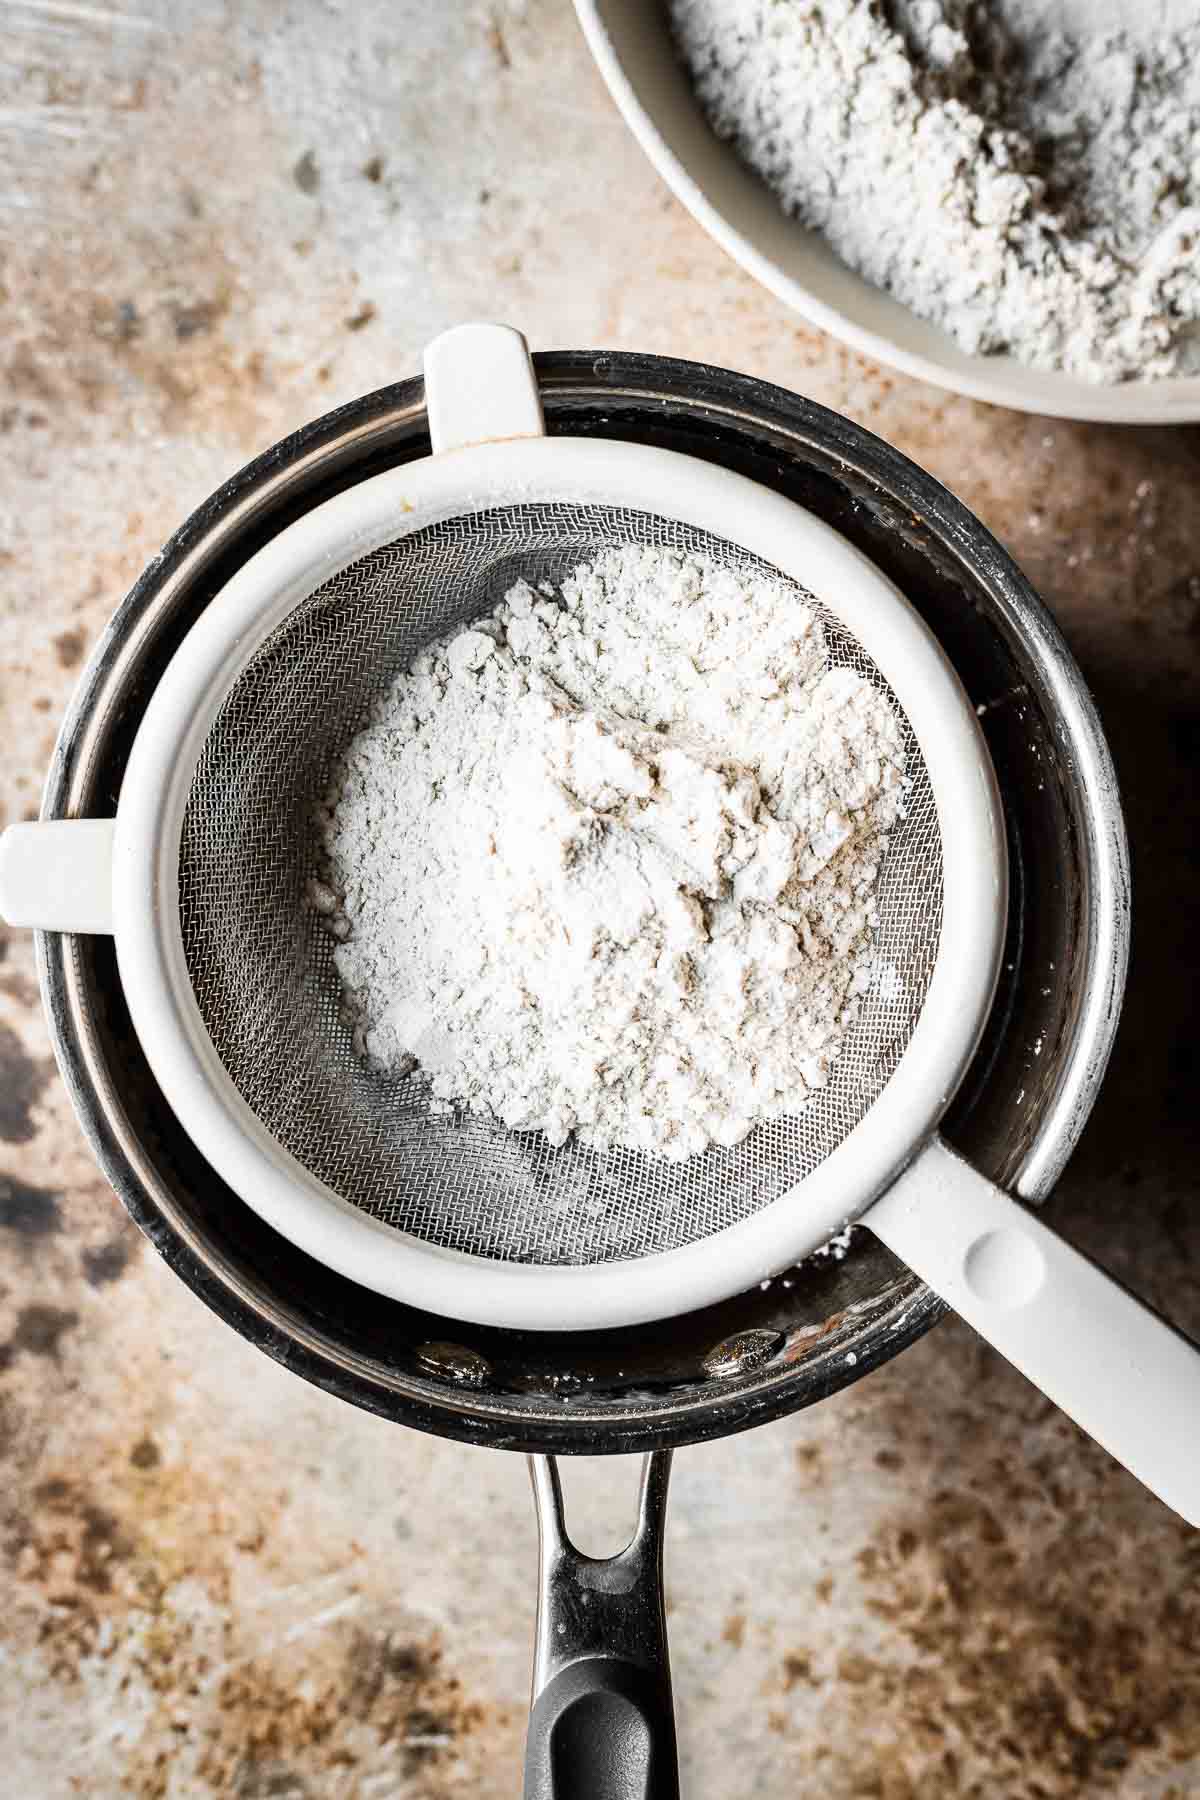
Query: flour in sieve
1031	192
605	862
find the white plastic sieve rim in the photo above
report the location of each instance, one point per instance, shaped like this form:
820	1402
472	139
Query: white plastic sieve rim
155	793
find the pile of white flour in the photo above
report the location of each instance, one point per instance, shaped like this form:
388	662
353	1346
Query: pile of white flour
605	862
1031	193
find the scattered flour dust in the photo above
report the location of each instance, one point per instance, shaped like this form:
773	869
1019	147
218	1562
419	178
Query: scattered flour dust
1030	191
605	861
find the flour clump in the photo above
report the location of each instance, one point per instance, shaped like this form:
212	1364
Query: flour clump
605	861
1031	192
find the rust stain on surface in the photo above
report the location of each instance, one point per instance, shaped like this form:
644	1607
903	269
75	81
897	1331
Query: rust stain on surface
145	1454
306	172
130	1585
1014	1667
39	1330
797	1670
22	1080
68	647
107	1262
28	1212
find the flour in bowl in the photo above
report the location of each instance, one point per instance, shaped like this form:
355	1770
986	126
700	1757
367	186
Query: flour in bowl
605	861
1031	191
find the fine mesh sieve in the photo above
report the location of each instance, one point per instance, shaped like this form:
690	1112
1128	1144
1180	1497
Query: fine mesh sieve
261	960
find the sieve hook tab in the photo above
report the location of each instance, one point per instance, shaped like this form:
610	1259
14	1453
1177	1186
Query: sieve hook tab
56	875
480	386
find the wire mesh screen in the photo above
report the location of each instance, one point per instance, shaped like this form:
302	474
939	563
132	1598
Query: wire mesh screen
261	961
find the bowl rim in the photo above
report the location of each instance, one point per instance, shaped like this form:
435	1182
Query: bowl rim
997	380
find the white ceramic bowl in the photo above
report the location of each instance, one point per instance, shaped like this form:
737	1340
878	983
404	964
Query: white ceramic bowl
631	42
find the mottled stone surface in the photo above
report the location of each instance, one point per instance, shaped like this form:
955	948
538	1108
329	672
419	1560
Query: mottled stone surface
217	220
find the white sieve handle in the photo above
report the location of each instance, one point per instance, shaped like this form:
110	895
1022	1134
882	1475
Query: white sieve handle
480	386
56	875
1122	1373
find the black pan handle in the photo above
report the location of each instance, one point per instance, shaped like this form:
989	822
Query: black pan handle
602	1725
